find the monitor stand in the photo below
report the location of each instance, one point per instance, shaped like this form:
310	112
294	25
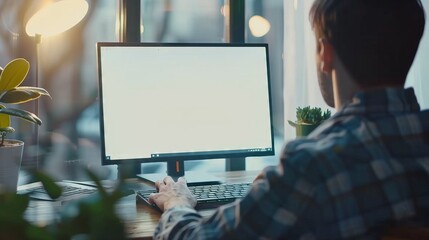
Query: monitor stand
175	169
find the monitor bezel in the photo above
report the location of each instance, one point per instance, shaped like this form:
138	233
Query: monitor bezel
219	155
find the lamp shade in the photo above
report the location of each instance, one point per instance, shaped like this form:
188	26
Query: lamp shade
57	17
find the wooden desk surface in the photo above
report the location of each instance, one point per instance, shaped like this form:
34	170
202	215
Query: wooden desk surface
140	220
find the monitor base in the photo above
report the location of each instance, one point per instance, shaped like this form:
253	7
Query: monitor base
192	178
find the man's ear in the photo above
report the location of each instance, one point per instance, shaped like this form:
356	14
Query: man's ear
326	53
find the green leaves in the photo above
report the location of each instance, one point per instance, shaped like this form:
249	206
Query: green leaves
4	119
13	224
12	204
310	115
31	117
92	217
11	92
14	74
23	94
52	189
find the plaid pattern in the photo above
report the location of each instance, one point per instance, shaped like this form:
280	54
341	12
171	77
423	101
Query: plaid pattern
364	169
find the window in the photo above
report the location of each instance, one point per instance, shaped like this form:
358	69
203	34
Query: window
69	135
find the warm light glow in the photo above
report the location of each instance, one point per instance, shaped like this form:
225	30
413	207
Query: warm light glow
57	17
224	10
259	26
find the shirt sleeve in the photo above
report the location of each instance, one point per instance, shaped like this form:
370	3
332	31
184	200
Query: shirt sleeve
272	209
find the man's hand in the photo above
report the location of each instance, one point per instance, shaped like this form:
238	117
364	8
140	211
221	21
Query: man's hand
172	194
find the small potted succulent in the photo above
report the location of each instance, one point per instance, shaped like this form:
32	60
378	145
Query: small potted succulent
11	92
307	119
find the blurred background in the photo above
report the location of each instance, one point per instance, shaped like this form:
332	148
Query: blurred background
70	136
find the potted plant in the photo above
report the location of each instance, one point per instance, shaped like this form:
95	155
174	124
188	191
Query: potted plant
307	119
11	92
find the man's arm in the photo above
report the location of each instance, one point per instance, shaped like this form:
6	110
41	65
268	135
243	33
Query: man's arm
270	210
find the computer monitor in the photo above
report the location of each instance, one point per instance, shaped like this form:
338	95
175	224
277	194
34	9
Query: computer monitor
172	102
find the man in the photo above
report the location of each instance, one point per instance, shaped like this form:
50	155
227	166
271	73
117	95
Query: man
365	169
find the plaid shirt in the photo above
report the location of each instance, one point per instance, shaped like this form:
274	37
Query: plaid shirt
362	170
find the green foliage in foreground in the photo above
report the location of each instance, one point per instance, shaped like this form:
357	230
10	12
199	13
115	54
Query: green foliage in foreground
94	217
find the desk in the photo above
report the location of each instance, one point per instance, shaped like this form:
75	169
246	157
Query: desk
140	220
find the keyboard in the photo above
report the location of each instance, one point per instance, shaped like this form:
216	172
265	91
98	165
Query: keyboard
70	191
208	196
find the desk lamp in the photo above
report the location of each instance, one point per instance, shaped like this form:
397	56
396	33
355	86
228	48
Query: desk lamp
53	19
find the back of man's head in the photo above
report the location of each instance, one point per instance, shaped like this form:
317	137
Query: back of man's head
375	39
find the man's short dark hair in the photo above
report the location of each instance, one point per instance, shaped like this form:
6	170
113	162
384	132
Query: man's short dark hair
375	39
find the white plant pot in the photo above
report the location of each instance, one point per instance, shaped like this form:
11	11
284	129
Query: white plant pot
10	163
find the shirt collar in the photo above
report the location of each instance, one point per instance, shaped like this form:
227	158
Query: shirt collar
383	101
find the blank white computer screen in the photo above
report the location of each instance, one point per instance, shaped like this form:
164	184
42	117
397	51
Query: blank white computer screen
184	100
